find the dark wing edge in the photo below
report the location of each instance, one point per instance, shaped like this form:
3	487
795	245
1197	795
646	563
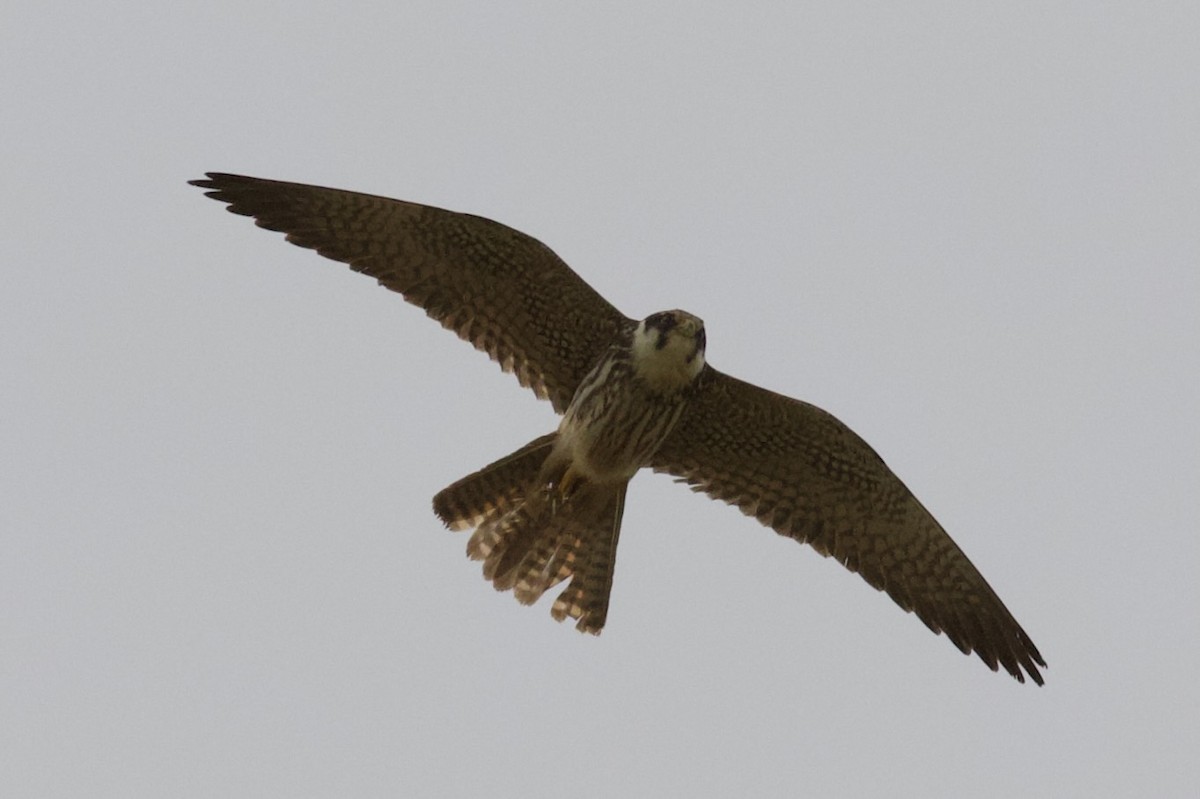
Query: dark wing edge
800	471
501	290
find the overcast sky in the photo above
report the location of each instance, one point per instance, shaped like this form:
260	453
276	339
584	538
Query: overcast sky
973	235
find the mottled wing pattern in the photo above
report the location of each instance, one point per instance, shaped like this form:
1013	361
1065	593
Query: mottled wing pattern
503	291
800	471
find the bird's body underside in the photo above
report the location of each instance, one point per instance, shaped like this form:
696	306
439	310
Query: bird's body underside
633	395
556	512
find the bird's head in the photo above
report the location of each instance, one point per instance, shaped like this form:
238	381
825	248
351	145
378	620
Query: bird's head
668	349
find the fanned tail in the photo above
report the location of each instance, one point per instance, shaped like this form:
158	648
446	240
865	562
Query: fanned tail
593	560
531	537
493	490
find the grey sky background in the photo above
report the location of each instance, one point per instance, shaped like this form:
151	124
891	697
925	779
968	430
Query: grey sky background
972	233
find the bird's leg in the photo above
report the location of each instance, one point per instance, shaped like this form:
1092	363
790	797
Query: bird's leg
564	488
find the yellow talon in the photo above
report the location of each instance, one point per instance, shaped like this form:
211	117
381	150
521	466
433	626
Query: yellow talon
566	486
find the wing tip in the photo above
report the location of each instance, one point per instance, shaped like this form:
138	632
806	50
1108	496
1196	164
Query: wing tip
1020	658
215	180
223	187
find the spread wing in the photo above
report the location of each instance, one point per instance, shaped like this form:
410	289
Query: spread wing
799	470
503	291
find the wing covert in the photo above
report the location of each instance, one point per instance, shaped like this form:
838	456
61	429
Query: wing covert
503	291
800	471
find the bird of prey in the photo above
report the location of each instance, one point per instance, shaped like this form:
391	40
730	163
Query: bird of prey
632	394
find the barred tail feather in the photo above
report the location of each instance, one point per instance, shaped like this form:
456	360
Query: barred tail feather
530	538
595	556
493	490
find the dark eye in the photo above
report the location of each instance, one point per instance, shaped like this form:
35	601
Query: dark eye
663	321
701	340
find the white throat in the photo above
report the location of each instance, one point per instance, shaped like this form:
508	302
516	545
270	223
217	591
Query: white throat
668	361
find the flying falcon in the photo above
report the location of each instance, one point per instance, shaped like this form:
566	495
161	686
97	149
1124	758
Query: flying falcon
632	394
